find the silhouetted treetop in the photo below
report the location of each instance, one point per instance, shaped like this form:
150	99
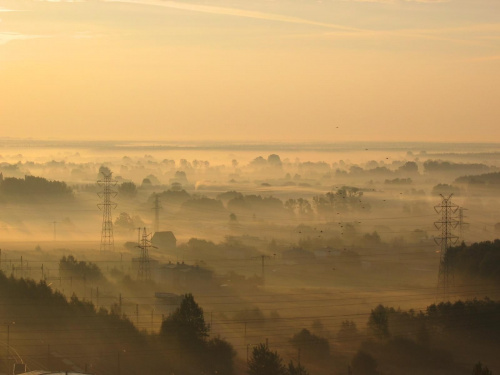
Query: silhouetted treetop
33	188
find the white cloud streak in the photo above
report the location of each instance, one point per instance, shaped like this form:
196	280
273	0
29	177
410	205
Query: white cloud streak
6	37
236	12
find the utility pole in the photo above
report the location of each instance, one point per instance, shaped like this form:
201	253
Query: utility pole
144	272
107	239
448	211
263	257
157	207
152	318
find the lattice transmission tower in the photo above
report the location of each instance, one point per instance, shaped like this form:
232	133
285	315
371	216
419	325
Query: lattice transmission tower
144	271
107	184
448	222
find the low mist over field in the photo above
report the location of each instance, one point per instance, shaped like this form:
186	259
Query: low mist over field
330	253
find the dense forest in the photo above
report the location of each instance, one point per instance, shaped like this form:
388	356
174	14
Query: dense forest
394	340
32	188
478	262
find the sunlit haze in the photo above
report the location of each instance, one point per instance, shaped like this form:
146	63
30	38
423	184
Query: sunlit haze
387	70
249	187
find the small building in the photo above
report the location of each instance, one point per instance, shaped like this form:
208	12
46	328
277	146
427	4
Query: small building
164	240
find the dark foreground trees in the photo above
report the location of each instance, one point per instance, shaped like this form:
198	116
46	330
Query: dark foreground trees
76	330
185	333
266	362
364	364
313	347
480	370
476	262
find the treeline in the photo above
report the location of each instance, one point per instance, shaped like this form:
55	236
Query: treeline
396	341
76	329
435	341
270	170
345	198
31	188
486	179
479	261
440	166
445	338
409	168
94	338
70	267
186	331
231	247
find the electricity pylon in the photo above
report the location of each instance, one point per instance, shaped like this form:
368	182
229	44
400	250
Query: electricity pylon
448	221
107	183
144	271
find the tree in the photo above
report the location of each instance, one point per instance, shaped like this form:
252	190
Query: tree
219	357
33	188
300	207
265	362
409	167
125	222
347	331
364	364
379	322
480	370
127	189
103	172
186	325
296	370
70	267
313	347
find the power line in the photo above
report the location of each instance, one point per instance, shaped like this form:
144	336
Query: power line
448	221
144	272
107	239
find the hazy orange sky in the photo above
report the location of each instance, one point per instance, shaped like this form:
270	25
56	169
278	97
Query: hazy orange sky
290	70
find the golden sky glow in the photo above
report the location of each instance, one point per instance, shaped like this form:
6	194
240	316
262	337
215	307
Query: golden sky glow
286	70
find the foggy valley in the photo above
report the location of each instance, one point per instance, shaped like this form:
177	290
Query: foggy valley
249	187
259	258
